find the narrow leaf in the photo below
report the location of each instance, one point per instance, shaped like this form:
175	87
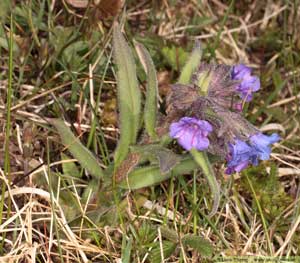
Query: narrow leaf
198	243
80	152
129	95
192	63
203	162
152	92
151	175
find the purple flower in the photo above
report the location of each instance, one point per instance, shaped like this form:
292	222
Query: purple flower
241	154
191	133
248	83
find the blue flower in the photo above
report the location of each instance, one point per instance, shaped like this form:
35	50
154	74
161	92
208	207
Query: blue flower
248	84
239	156
191	133
241	153
261	144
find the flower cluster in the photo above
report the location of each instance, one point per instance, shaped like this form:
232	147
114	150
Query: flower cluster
207	116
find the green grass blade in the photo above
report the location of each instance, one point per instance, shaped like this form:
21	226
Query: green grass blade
126	249
150	109
264	222
129	95
80	152
7	130
202	160
151	175
192	63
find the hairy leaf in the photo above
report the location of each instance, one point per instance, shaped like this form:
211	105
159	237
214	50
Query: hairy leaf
168	248
150	109
151	175
191	65
169	234
69	168
156	152
198	243
129	95
76	148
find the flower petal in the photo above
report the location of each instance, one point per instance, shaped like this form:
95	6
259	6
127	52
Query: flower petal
191	133
261	143
175	128
200	143
248	83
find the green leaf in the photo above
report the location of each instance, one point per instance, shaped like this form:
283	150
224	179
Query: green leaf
167	160
150	109
169	234
156	152
69	168
129	95
198	243
175	56
168	248
202	160
91	192
146	232
191	65
80	152
151	175
3	40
